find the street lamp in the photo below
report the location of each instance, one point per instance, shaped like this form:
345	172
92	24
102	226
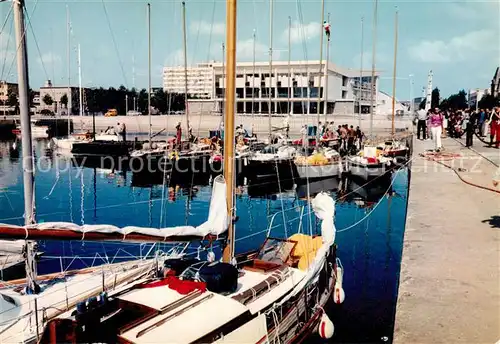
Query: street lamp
412	105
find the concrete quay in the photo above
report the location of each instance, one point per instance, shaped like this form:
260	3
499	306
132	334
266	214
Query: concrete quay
449	288
203	123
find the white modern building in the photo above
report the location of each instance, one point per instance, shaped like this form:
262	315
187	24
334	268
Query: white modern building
199	80
292	88
475	96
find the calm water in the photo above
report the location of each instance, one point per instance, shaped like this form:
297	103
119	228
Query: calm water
370	251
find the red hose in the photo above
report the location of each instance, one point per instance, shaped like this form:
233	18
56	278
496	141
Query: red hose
432	157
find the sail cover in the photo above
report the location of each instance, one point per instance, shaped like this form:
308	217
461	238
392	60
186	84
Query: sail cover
216	224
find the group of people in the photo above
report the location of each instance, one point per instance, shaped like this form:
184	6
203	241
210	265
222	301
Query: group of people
348	139
456	123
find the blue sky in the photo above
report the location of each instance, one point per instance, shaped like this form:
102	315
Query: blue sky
459	41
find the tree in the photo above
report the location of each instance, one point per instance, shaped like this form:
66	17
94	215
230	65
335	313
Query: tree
489	102
142	101
47	99
456	101
161	101
12	99
435	98
64	100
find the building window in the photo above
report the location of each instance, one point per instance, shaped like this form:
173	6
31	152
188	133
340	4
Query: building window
344	81
239	92
247	84
282	92
278	83
344	94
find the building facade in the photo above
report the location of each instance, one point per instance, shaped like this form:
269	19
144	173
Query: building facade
7	88
495	83
475	96
56	93
199	80
293	88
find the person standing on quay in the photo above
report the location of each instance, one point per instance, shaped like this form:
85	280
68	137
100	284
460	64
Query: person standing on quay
436	124
178	135
422	123
495	127
122	130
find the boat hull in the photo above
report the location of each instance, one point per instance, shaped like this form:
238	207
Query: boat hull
283	169
367	171
318	171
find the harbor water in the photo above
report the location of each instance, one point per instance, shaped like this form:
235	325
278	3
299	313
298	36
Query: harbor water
370	220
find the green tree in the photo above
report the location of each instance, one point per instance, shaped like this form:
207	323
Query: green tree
489	102
142	101
12	99
64	99
456	101
47	99
435	98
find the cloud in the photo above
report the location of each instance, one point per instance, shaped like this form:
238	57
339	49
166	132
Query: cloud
175	58
244	51
204	28
49	59
381	60
300	33
458	48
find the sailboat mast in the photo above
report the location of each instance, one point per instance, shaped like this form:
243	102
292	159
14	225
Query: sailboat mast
374	52
394	68
68	52
271	7
229	121
253	79
325	109
289	63
80	90
184	42
149	71
360	85
28	163
320	70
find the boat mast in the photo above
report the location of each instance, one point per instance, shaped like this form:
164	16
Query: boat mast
320	70
253	79
325	109
360	85
68	52
229	121
80	90
374	52
289	63
149	72
394	68
184	41
270	65
28	163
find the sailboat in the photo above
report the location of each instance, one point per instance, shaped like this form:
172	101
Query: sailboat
275	293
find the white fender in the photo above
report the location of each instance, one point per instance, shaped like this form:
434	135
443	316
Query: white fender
338	292
211	256
326	327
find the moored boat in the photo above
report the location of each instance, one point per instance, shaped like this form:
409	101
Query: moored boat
324	164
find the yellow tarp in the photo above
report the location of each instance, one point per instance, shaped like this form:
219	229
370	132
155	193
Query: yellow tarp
305	250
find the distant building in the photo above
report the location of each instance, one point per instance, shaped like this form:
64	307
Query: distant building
199	79
298	81
56	93
475	96
495	83
5	89
384	105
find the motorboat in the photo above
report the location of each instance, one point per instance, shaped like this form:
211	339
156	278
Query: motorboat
369	163
324	163
37	131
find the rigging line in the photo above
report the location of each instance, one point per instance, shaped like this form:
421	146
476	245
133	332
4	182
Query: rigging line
8	37
37	46
5	53
114	43
18	45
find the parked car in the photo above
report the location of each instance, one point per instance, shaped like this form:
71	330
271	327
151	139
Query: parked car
111	113
133	113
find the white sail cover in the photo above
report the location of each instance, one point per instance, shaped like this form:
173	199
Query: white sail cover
216	224
11	247
324	208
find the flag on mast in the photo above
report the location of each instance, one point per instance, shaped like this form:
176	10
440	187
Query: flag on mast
326	25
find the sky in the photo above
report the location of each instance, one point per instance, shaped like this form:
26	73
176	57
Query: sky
458	41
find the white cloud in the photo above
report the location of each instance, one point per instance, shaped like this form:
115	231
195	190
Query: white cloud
175	58
204	28
49	59
300	33
244	51
458	48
